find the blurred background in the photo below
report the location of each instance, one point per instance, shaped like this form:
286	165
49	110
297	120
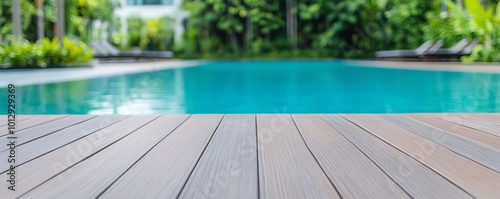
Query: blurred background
260	28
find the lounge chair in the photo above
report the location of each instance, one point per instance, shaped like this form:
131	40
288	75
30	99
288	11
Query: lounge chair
405	54
468	49
455	51
104	50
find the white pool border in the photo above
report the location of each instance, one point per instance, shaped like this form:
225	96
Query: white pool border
53	75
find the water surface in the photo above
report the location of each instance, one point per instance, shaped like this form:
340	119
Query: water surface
266	87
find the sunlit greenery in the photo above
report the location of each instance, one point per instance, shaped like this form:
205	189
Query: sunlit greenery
323	28
44	53
279	29
150	34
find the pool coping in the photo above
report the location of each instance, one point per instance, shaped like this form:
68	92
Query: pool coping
430	66
23	77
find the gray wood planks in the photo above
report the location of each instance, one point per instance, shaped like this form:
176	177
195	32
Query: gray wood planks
228	167
29	134
415	178
286	167
354	175
92	176
489	117
477	180
470	122
164	170
60	138
31	122
476	151
19	118
45	167
473	134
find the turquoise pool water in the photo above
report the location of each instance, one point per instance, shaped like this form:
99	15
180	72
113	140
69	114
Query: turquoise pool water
266	87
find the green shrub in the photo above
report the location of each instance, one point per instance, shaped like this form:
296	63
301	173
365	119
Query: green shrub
24	54
45	53
483	54
481	23
75	52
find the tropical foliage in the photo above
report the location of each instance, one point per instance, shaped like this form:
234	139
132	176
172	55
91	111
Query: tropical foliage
320	28
280	28
44	53
151	34
481	23
79	15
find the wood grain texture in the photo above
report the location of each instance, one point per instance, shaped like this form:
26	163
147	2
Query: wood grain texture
30	134
31	122
476	151
415	178
471	122
45	167
91	177
476	179
58	139
228	167
165	169
354	175
286	167
473	134
489	117
19	118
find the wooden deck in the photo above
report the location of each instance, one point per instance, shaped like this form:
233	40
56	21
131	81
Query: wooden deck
255	156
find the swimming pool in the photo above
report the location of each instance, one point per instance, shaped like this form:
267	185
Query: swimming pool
266	87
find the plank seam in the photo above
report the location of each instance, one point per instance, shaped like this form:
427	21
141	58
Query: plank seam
378	166
409	156
38	124
316	159
55	131
257	156
133	164
71	166
64	145
199	158
29	117
451	134
464	125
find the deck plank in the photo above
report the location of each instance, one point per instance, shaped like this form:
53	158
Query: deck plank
228	167
476	151
476	179
31	122
489	117
414	177
164	170
471	122
58	139
91	177
19	118
286	167
473	134
44	129
354	175
44	168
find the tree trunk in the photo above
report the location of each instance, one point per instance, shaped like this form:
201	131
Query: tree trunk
60	21
234	41
39	23
291	20
16	18
294	23
288	21
249	34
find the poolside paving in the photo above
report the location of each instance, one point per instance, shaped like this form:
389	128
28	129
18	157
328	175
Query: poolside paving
256	156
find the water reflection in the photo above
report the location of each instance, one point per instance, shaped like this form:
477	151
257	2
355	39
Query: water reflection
266	87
